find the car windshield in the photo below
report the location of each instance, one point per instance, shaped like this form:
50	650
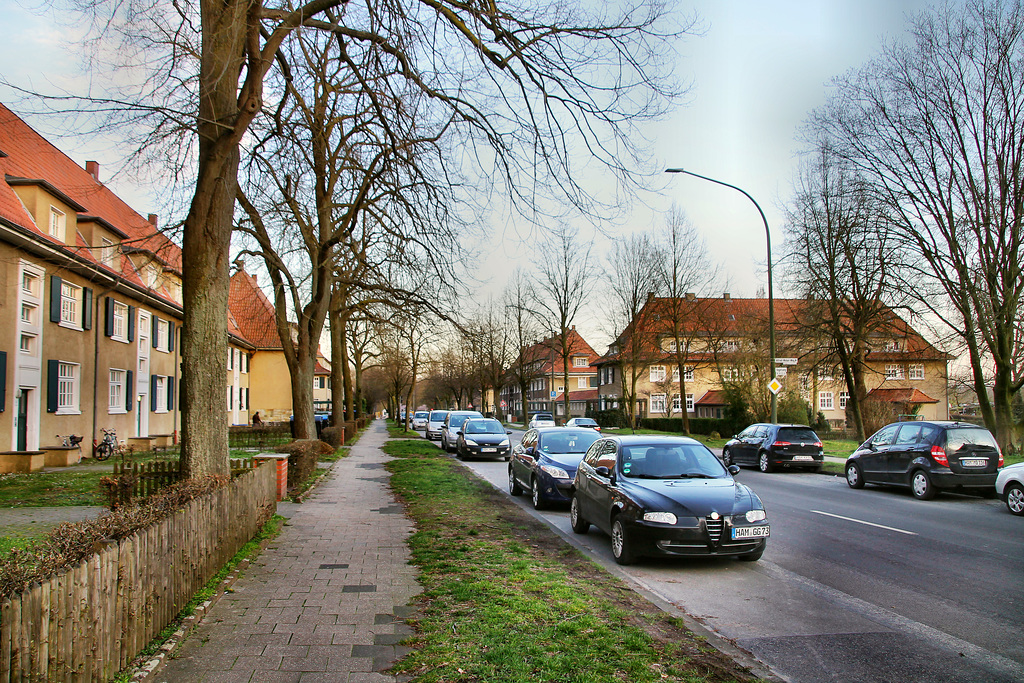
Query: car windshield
438	415
421	413
568	442
483	427
969	436
797	434
670	461
457	420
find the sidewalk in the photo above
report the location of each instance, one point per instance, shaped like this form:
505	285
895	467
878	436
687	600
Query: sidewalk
325	601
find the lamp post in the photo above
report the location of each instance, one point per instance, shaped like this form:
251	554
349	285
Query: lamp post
771	297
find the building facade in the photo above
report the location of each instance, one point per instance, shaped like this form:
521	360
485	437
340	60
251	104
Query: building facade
546	379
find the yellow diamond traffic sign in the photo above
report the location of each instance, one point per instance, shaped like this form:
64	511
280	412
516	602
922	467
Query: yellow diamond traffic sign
774	386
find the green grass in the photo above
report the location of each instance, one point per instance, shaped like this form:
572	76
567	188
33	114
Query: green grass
505	600
44	489
398	430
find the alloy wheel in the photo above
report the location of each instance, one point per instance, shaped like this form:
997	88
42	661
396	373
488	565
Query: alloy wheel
1015	500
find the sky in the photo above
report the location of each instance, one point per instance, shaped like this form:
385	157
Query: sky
756	72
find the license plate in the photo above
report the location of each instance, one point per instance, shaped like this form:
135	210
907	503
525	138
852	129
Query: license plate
973	462
750	532
803	457
488	450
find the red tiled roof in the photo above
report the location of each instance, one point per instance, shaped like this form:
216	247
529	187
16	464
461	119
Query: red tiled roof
714	397
548	351
252	311
584	395
896	395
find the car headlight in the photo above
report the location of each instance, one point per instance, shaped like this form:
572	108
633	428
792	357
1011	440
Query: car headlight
506	442
660	517
755	515
556	472
470	442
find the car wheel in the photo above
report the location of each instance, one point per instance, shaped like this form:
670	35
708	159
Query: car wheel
1015	499
754	556
514	488
921	485
727	457
854	477
538	502
621	550
763	463
579	525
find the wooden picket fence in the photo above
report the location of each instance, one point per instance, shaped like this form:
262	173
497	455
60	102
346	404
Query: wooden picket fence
150	477
91	621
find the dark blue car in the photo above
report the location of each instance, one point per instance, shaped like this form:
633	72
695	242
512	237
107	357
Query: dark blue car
545	463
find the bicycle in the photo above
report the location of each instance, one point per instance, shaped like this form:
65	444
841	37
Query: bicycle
109	446
70	441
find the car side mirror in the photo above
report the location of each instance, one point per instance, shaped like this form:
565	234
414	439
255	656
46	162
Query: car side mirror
508	431
734	470
603	471
459	432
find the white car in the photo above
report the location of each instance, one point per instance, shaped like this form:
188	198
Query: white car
419	419
583	422
542	420
1010	487
435	421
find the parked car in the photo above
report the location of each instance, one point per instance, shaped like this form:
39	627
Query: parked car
419	419
770	446
583	422
545	461
541	420
666	496
434	424
1010	487
927	457
482	438
452	423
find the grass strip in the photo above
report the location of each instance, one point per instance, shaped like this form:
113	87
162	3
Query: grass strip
49	489
505	599
248	551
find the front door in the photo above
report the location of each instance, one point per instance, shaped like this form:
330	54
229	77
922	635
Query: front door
21	426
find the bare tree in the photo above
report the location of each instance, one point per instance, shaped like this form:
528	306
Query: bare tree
937	127
565	278
524	331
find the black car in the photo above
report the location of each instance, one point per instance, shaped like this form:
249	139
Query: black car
928	457
666	496
482	438
545	463
770	446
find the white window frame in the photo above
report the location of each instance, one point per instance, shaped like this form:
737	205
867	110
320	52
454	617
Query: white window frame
580	362
28	313
730	373
915	371
657	374
677	405
117	391
689	403
730	346
894	371
27	344
582	382
658	401
58	223
70	295
826	400
892	346
161	394
163	335
30	283
120	322
844	398
68	388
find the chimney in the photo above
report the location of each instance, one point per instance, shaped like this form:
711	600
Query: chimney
154	220
650	297
727	296
690	296
93	169
573	328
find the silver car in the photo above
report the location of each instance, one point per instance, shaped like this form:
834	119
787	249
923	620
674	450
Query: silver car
434	424
419	419
542	420
452	425
1010	487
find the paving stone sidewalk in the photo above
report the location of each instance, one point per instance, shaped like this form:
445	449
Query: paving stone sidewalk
325	602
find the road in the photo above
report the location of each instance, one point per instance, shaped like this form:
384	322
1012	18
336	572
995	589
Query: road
869	585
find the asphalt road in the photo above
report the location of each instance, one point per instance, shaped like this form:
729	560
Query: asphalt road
869	585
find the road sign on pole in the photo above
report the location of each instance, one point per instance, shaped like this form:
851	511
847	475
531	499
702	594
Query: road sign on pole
775	386
786	361
781	372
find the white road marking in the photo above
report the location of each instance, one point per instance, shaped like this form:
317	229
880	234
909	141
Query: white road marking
861	521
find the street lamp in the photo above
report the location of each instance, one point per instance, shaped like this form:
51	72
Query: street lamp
771	297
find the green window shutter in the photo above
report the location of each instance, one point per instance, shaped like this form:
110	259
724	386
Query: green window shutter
87	308
155	322
54	299
109	322
129	390
247	404
52	385
3	380
152	393
170	336
170	393
131	323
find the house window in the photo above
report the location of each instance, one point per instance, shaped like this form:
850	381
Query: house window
730	374
688	373
120	321
67	388
805	382
28	314
107	252
582	382
245	362
892	346
161	394
27	344
607	375
657	403
825	400
580	362
658	374
894	371
689	403
29	283
730	346
117	392
677	405
231	397
844	398
57	223
916	371
824	375
69	303
163	335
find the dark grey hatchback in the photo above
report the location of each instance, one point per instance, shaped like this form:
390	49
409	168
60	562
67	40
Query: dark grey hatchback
928	457
771	446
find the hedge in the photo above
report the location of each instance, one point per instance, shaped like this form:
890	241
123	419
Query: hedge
698	425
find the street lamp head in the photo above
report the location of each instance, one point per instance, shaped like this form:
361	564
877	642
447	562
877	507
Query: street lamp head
675	170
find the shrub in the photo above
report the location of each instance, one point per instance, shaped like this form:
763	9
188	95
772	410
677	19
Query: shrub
302	458
698	425
335	436
614	417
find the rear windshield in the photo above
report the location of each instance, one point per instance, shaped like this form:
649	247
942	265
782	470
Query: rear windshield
484	427
568	442
421	413
457	420
797	434
543	416
585	421
957	438
438	415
